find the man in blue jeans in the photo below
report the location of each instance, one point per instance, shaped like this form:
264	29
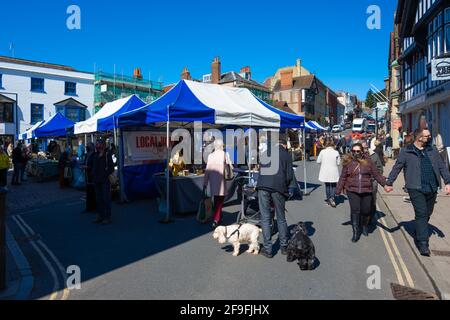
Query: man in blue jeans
423	168
275	189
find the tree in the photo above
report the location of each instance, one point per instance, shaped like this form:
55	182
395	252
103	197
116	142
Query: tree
371	101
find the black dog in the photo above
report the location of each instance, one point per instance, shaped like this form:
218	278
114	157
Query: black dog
301	248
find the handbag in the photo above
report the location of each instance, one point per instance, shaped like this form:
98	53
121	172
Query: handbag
68	173
205	209
228	169
113	179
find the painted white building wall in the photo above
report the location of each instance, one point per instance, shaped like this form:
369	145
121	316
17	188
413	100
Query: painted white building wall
346	101
16	78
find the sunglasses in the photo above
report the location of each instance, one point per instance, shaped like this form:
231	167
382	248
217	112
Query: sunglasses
356	151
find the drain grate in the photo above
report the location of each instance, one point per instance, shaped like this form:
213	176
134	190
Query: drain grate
441	253
406	293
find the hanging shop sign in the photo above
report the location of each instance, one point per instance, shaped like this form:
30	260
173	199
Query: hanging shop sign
144	147
440	69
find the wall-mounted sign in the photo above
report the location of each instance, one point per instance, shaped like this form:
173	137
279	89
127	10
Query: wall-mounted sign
440	69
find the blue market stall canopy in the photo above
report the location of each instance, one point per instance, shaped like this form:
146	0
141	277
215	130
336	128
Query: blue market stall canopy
191	101
318	126
312	125
55	127
106	118
30	133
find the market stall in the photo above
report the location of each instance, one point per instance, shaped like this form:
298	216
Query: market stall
104	122
216	105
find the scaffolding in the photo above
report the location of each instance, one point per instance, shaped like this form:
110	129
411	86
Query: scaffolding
111	87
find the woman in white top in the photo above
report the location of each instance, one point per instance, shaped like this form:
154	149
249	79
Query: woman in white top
330	160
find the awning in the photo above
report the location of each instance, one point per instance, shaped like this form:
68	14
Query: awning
30	133
191	101
317	126
106	118
55	127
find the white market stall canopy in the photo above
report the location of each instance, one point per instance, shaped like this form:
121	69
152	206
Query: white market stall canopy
29	134
191	101
318	126
106	118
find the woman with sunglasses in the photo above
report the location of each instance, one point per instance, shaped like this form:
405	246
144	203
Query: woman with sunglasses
356	179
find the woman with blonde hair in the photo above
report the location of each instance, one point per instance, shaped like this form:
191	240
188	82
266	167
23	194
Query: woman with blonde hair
356	179
215	177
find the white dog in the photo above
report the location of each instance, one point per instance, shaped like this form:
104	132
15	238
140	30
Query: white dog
237	234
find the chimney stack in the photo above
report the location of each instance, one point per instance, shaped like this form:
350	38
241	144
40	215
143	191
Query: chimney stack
247	72
186	75
299	67
286	79
216	71
137	74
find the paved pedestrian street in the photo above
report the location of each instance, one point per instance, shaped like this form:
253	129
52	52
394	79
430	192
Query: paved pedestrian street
138	258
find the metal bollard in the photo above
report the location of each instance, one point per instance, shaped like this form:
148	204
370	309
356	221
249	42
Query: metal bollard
2	239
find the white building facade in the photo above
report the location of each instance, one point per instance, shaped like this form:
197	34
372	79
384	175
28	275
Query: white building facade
34	91
348	101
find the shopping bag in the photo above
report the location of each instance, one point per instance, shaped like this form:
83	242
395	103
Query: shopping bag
205	209
113	179
228	172
68	173
208	209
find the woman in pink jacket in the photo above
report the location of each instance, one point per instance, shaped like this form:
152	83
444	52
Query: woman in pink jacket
214	175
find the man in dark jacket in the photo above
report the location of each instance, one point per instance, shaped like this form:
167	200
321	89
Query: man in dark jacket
17	160
274	189
102	168
90	186
423	168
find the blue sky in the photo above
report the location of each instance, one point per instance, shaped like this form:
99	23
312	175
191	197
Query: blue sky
162	37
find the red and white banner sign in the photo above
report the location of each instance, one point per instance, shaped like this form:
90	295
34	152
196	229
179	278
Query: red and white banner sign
144	147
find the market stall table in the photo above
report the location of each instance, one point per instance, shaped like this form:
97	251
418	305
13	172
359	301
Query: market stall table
186	192
43	169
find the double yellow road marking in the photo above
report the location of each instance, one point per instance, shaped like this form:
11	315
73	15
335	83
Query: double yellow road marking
400	268
38	245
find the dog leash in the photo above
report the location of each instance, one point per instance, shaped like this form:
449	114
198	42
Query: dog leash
235	231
